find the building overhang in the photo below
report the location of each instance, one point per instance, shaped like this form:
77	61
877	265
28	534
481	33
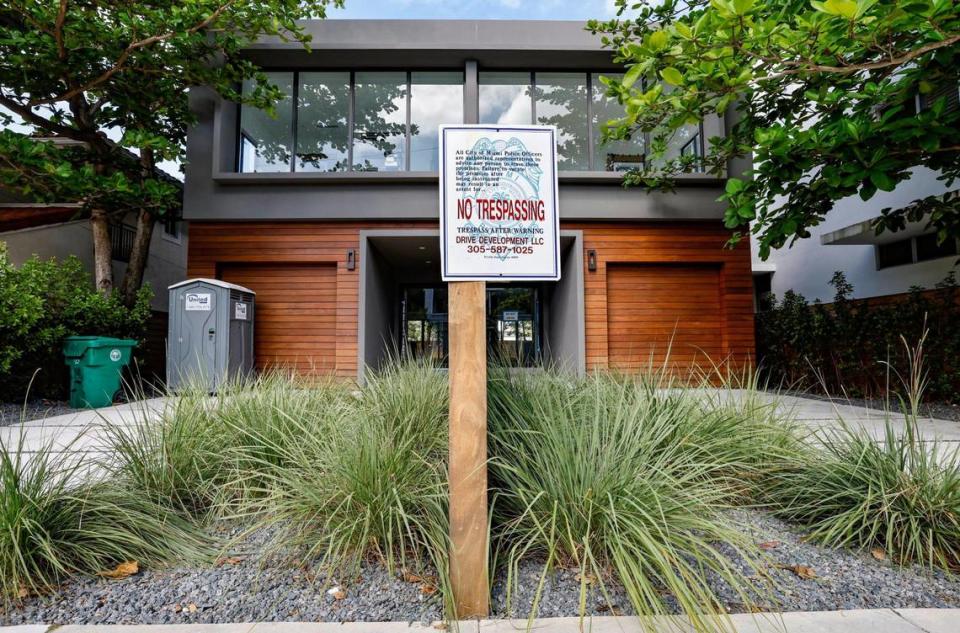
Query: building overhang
15	216
864	233
438	44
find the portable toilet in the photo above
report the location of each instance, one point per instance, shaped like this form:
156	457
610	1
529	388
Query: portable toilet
210	333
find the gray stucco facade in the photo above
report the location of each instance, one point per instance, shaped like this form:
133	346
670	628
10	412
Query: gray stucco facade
216	191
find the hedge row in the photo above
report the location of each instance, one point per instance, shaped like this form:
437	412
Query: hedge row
856	347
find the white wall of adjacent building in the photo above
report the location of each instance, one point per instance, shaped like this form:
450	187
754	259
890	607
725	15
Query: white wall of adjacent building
167	263
808	265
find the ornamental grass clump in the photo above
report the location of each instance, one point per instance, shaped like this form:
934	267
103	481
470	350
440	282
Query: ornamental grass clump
610	476
58	519
204	455
900	495
372	482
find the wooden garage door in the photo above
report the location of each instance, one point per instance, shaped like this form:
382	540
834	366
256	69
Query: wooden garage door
653	308
296	309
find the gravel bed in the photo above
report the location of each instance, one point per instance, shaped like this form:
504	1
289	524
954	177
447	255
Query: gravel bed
844	580
11	412
243	590
242	587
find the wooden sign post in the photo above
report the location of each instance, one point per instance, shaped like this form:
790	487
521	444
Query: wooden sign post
468	448
499	221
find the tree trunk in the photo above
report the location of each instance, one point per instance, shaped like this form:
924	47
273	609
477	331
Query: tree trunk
133	278
102	251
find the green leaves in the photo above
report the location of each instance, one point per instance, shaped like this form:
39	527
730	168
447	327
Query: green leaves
672	76
843	8
827	93
658	40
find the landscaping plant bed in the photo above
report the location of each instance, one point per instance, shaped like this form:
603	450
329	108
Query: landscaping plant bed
15	412
626	485
242	587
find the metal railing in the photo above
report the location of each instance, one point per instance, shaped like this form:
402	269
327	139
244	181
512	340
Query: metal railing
121	241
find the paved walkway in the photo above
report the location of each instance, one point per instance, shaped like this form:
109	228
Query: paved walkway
819	414
865	621
81	431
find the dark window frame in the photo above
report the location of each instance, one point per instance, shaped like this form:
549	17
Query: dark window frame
351	111
914	252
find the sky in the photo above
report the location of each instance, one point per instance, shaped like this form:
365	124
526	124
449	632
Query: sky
476	9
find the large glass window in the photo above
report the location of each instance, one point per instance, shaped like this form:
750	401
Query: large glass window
561	100
506	98
435	98
380	121
394	118
388	120
266	142
323	119
612	155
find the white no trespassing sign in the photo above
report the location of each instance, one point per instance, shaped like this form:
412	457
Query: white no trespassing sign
499	217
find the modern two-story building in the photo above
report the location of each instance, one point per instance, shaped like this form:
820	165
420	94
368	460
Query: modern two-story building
329	211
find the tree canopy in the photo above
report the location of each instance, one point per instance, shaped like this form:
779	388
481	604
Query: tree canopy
834	98
84	71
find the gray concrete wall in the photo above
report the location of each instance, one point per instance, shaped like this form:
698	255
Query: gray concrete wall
167	263
377	316
565	331
807	266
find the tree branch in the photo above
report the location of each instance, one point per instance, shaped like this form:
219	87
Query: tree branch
805	67
58	30
31	117
119	64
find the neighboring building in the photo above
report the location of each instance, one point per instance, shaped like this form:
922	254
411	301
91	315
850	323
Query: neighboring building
330	210
60	230
877	265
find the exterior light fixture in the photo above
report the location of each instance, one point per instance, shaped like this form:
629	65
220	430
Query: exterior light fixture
592	260
351	259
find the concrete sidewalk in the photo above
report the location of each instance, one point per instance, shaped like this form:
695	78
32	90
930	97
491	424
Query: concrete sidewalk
862	621
821	414
81	431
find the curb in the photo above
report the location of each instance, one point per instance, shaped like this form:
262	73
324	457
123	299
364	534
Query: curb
855	621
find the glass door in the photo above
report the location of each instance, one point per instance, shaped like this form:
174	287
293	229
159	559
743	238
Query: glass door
424	322
513	325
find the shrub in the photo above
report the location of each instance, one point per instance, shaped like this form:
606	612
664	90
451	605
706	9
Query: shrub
612	475
43	301
55	521
852	347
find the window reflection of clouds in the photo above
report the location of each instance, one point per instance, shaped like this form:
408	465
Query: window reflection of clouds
505	98
379	142
266	142
435	98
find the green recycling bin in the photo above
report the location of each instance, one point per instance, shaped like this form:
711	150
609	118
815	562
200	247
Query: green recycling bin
96	363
